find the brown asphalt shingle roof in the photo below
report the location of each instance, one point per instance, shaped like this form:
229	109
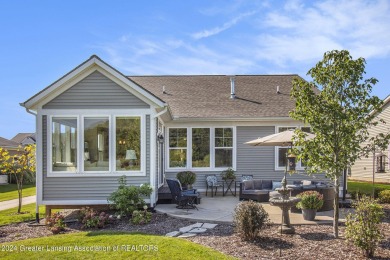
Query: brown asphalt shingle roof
7	143
19	138
209	96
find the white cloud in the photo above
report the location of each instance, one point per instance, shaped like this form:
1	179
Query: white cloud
218	29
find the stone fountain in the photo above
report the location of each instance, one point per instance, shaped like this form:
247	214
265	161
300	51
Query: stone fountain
285	202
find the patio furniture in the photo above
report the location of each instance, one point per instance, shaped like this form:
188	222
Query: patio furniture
244	177
184	199
257	190
212	182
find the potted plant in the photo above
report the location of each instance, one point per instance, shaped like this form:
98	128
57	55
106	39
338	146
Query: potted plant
228	174
186	178
310	202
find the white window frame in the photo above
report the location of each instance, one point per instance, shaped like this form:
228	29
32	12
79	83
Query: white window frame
298	163
80	115
220	148
189	150
189	144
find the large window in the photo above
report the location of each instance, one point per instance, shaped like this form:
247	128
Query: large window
64	144
282	150
200	147
178	147
128	143
223	147
194	148
96	144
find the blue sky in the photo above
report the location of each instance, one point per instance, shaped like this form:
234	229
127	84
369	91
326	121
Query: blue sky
43	40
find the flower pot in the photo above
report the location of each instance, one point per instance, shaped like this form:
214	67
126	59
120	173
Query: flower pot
3	179
309	214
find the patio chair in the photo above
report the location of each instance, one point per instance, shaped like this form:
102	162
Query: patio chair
184	199
212	182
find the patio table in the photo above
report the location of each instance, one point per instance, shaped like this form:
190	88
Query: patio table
229	183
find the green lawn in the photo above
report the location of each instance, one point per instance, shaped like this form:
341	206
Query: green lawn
9	216
10	191
365	187
107	245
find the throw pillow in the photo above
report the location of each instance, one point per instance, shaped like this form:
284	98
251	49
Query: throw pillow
306	182
276	184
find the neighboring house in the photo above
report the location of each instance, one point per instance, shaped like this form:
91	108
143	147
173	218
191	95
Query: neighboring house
24	138
9	145
95	124
364	168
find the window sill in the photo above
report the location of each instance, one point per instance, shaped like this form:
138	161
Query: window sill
197	169
96	174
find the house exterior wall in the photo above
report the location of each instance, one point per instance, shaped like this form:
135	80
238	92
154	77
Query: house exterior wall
363	168
96	92
258	161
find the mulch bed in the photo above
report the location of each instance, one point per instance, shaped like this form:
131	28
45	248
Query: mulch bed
309	241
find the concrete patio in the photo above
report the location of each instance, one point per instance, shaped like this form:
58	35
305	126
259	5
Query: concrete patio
220	210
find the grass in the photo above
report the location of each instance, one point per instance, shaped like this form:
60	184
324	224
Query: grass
10	216
108	245
10	191
365	187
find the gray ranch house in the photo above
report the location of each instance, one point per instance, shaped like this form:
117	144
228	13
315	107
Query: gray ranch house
94	125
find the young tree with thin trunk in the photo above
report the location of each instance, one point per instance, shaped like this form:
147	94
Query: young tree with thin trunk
21	166
339	109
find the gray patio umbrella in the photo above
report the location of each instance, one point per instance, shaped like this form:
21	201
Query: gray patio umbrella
278	139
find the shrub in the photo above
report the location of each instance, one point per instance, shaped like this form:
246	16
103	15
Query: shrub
310	200
186	177
90	218
56	222
384	196
249	218
141	217
362	227
126	199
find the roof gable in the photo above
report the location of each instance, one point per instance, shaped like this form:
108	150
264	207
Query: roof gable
84	69
5	143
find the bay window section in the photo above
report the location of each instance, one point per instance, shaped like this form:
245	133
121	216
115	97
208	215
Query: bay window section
223	147
128	143
200	147
64	144
96	144
177	147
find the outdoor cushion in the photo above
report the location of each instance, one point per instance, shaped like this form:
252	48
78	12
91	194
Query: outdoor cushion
276	184
212	181
257	184
255	192
308	187
267	185
294	187
246	178
297	182
247	185
305	182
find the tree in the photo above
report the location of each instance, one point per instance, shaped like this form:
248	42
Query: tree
339	109
21	166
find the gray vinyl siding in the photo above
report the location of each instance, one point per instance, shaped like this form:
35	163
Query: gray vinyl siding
363	168
258	161
96	91
87	188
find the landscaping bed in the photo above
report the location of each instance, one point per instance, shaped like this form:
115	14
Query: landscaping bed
309	242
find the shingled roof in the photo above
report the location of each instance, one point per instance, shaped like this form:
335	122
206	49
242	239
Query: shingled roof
209	96
5	143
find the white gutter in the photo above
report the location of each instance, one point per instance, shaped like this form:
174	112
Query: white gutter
161	113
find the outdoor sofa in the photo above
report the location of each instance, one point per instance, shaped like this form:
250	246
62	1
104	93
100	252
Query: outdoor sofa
258	190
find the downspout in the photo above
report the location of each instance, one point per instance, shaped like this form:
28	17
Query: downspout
36	181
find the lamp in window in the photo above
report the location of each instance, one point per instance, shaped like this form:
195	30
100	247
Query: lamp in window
291	162
380	162
131	156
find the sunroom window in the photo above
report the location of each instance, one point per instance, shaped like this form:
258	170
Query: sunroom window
200	147
128	143
64	144
178	147
96	144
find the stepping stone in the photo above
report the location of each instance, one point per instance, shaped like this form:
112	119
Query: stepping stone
173	234
198	230
187	235
186	229
209	225
197	225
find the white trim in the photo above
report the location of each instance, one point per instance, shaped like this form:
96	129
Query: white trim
94	63
39	158
153	168
79	202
